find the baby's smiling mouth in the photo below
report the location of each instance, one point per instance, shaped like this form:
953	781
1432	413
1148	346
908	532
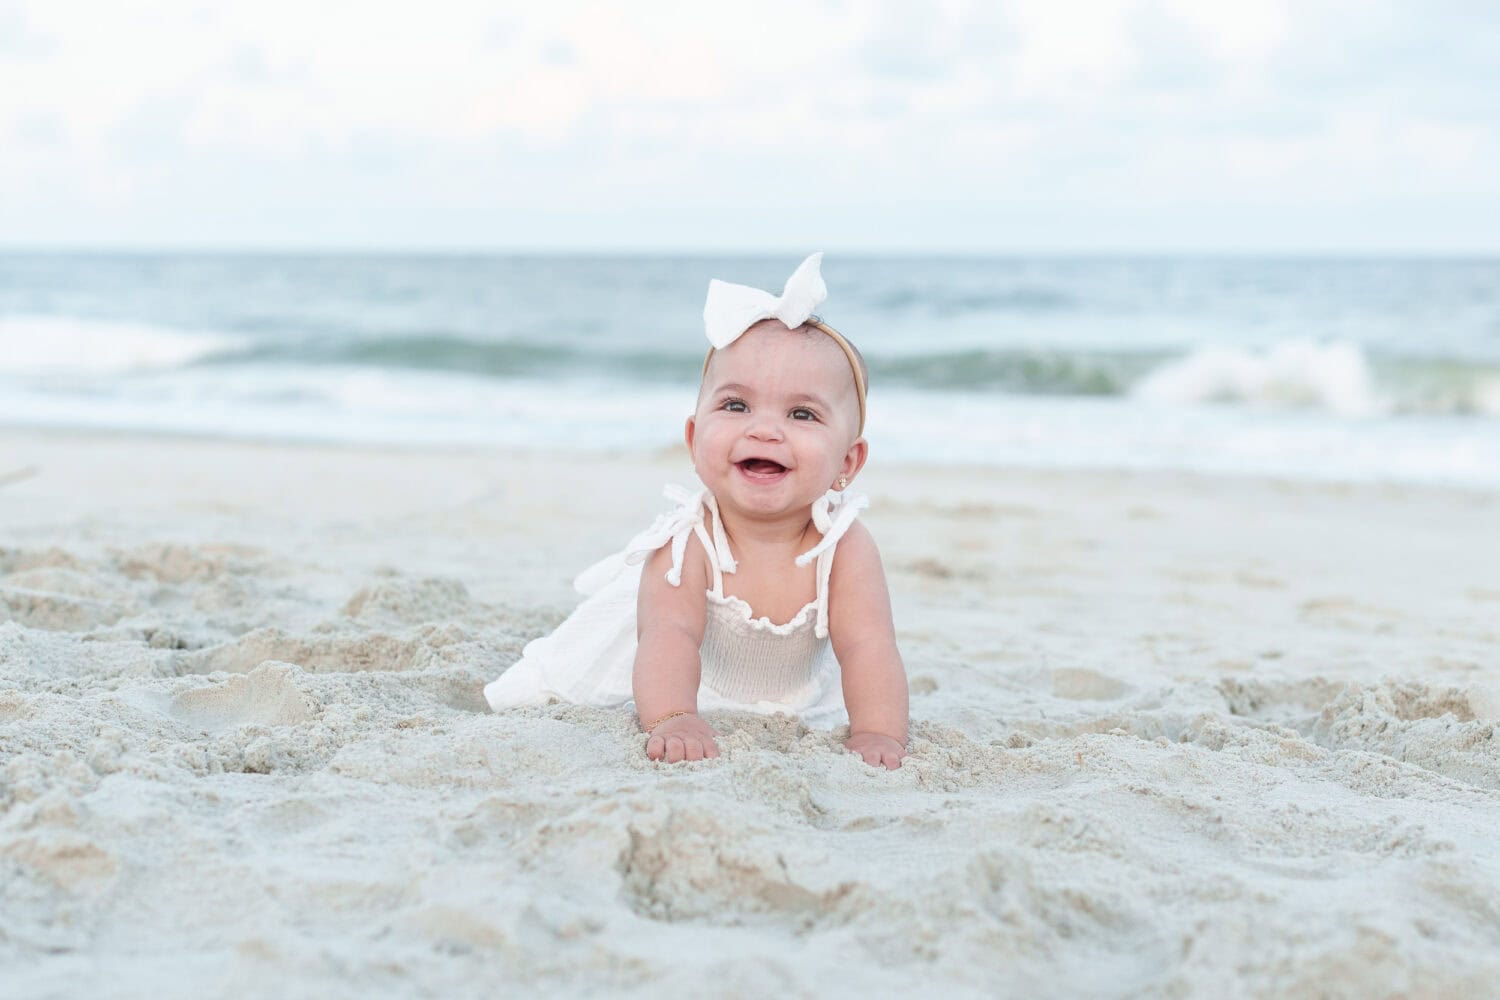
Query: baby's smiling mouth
761	468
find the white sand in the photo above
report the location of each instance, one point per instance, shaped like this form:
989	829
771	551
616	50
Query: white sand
1173	736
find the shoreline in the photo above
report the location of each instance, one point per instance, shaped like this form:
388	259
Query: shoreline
22	436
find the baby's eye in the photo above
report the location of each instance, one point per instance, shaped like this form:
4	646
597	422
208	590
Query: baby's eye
734	406
803	413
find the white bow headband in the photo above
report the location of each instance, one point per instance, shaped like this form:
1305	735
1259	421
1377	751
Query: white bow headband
732	309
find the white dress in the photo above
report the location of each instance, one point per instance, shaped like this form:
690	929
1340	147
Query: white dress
748	663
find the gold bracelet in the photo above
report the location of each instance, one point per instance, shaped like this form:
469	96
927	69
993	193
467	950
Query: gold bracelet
664	718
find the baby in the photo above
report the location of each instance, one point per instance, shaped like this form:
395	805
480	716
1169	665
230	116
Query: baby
776	439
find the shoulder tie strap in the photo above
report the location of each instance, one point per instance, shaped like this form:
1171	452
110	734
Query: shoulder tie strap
833	513
831	524
675	526
720	549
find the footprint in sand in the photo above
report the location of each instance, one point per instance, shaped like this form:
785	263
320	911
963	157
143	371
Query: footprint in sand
289	817
1347	613
694	868
1278	699
266	696
379	651
934	569
1259	581
15	560
922	684
1082	684
1190	575
62	599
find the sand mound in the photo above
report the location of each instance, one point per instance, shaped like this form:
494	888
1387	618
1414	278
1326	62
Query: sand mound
1432	728
62	597
176	563
13	560
408	602
62	612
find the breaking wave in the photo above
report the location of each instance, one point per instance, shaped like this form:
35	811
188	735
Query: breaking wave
1338	377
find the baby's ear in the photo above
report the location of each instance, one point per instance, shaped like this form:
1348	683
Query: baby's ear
688	431
854	458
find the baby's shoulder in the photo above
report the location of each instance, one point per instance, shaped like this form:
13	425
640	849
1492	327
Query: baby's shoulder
667	598
856	536
856	551
859	600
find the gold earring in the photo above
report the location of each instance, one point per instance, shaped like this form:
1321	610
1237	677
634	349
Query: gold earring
843	482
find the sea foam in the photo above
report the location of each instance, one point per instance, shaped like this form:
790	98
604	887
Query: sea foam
65	344
1335	377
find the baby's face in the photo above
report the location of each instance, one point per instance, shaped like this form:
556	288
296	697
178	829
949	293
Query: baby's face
777	420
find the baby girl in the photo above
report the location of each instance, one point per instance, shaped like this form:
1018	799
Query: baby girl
686	618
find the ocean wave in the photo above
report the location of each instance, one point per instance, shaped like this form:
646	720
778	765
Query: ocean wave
61	345
1302	374
440	352
1442	387
432	352
1021	371
1337	377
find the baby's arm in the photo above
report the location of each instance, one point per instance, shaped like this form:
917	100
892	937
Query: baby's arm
864	640
669	630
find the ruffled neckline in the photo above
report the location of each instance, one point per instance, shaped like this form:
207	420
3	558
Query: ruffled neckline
763	623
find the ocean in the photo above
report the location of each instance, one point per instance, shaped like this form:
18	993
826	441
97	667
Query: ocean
1332	369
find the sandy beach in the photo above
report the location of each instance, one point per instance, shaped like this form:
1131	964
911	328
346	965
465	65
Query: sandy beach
1173	735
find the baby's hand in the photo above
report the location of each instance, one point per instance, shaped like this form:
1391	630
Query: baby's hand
877	749
682	737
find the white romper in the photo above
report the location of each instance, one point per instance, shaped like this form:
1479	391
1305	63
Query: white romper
748	663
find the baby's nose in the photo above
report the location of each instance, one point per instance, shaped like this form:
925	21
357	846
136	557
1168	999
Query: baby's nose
765	428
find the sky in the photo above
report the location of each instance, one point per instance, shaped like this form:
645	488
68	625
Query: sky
1028	126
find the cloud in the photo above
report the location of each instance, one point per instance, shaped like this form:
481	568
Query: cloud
19	38
972	123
